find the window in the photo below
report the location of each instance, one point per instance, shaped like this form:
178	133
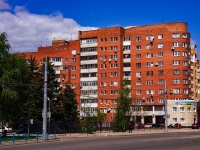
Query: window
185	81
138	74
148	100
101	39
73	68
56	59
149	55
115	74
160	36
148	46
176	44
174	109
182	120
185	91
160	72
138	65
149	82
115	48
149	73
127	38
160	63
138	47
185	45
111	48
161	100
127	47
115	83
176	91
73	76
138	83
138	39
176	62
176	81
87	41
176	72
161	81
138	92
176	53
185	72
161	91
175	35
185	54
116	92
189	109
174	120
73	59
151	38
160	45
148	64
138	56
115	38
185	63
160	54
184	35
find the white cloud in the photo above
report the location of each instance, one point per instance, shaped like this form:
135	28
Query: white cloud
4	5
26	31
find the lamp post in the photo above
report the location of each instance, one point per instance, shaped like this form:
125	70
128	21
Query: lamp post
44	128
165	101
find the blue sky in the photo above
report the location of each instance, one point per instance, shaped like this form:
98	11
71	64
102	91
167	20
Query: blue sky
37	22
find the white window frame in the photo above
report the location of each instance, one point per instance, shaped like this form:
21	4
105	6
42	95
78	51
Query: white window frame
160	45
175	35
176	44
176	62
160	36
176	53
160	54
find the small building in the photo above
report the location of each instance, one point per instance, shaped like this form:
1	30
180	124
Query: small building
183	112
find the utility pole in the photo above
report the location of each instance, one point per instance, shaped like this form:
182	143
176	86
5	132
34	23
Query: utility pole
44	128
165	101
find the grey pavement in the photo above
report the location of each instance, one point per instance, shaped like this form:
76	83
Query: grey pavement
134	132
68	136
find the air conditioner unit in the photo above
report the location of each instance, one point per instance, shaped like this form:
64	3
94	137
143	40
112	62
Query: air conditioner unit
104	60
115	50
115	59
156	64
110	60
172	48
139	78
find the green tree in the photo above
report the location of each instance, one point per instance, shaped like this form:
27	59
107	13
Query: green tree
123	107
14	74
32	108
69	105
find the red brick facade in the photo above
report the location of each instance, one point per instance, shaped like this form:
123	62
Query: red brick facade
156	53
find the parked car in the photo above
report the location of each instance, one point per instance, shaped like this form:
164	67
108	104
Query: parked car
157	125
148	125
22	130
195	126
8	130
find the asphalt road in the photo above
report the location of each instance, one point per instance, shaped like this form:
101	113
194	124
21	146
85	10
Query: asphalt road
182	141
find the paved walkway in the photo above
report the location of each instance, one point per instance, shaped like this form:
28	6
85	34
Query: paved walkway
63	137
134	132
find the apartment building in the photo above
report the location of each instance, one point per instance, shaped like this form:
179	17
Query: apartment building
155	58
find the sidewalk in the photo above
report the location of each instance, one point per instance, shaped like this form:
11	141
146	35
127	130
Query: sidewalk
134	132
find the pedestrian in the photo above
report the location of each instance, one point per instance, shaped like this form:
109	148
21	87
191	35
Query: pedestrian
130	127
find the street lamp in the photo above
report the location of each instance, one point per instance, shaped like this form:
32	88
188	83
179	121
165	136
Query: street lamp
165	101
44	113
44	127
